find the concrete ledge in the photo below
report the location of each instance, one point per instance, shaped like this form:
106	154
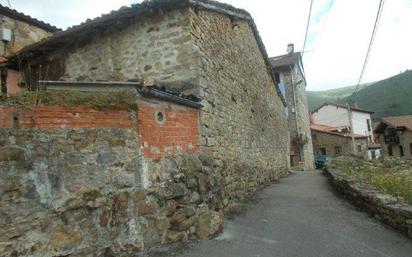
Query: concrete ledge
384	207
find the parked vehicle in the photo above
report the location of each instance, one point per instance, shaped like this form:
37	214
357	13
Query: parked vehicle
322	160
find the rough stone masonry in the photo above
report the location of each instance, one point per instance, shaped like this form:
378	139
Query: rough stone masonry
110	191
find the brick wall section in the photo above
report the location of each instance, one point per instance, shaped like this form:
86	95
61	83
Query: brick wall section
53	117
177	134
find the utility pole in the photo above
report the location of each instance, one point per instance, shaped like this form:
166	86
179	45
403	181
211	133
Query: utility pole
354	150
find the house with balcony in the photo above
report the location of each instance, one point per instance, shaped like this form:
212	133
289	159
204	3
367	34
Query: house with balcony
395	136
348	121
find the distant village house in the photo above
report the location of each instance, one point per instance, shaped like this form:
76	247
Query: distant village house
395	135
337	121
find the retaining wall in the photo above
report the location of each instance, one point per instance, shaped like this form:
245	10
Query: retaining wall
382	206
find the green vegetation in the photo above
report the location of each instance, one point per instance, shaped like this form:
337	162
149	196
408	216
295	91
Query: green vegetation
70	99
389	97
390	175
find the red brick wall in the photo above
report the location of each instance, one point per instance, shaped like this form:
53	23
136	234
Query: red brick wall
13	82
178	133
49	117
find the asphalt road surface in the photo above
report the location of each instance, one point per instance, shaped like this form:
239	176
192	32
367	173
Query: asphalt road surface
301	216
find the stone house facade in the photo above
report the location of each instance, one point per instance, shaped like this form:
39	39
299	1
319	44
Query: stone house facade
291	80
357	121
395	136
215	132
328	141
18	30
187	47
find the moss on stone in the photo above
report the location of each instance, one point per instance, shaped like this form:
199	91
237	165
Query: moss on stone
70	99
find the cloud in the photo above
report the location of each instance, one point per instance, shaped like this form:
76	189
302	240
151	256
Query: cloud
337	40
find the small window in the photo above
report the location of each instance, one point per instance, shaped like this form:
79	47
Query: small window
368	123
160	117
390	151
410	148
359	149
277	77
338	150
322	151
401	153
373	155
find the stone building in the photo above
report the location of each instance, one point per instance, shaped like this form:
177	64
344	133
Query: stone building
17	31
290	76
354	120
395	135
215	132
332	142
190	47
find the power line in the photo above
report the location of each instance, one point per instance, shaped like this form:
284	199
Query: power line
365	63
307	27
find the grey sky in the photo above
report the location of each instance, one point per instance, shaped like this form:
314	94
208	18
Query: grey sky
337	41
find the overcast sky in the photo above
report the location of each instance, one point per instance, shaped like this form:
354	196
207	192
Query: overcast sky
337	42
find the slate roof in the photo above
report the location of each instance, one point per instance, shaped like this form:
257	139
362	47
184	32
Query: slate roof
27	19
285	60
89	27
398	122
342	106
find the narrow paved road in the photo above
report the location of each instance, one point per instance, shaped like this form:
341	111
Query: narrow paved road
302	217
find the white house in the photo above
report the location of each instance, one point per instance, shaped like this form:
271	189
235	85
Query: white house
337	115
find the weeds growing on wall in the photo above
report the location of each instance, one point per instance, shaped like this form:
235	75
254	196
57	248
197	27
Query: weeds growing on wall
390	175
70	99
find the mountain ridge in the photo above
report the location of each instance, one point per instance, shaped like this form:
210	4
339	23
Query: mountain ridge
387	97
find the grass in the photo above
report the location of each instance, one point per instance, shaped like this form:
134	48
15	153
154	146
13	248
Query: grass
70	99
390	175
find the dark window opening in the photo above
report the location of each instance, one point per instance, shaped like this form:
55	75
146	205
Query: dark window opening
277	77
401	153
373	155
390	151
410	148
160	117
3	83
368	123
322	151
338	150
359	148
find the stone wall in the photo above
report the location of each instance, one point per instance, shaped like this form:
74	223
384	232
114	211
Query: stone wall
155	47
382	206
73	191
242	120
23	35
330	141
67	192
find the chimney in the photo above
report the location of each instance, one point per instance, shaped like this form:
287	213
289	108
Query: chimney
354	104
291	48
